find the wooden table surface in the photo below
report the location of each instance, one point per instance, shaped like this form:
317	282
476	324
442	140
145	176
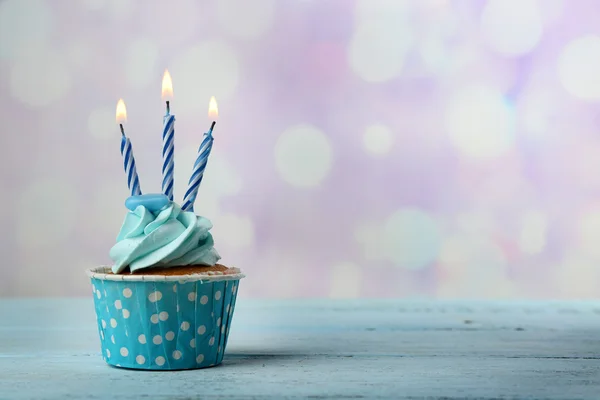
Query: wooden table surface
49	348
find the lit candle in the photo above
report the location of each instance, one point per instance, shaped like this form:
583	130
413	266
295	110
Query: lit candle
168	136
200	164
133	181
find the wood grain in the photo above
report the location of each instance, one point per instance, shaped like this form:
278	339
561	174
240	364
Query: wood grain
323	349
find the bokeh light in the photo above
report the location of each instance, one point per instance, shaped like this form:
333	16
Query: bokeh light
411	238
303	156
480	123
578	65
376	52
512	27
378	139
24	24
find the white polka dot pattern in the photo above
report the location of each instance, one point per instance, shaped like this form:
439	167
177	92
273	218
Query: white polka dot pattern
163	325
154	296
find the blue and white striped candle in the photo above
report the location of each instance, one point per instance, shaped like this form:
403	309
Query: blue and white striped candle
200	165
168	136
133	181
168	164
198	172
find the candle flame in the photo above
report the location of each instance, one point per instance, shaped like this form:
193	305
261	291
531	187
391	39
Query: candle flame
121	112
213	109
167	86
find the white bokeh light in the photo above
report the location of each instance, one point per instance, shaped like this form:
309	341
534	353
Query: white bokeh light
589	232
140	63
346	279
238	231
39	77
578	66
551	10
411	238
246	19
24	24
208	69
434	55
303	156
512	27
480	123
101	124
47	211
378	139
532	237
377	50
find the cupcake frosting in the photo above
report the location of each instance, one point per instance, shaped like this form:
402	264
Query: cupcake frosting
166	238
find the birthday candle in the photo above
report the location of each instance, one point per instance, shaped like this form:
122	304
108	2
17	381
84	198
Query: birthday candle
168	136
201	161
133	181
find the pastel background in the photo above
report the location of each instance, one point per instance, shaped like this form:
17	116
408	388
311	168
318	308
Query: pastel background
365	148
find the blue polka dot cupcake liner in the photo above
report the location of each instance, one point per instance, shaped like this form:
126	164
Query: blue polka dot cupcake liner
163	322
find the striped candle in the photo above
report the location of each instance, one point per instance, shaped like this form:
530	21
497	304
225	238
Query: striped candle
168	158
133	181
198	172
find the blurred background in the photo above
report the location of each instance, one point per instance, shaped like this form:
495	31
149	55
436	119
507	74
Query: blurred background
365	148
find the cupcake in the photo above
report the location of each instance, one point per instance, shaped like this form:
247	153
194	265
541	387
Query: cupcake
166	303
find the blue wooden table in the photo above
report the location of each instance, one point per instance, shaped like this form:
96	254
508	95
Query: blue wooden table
323	349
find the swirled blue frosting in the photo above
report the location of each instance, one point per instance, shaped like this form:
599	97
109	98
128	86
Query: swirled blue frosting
168	237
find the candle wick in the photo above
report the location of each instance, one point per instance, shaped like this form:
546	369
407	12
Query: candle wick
211	127
122	130
168	108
